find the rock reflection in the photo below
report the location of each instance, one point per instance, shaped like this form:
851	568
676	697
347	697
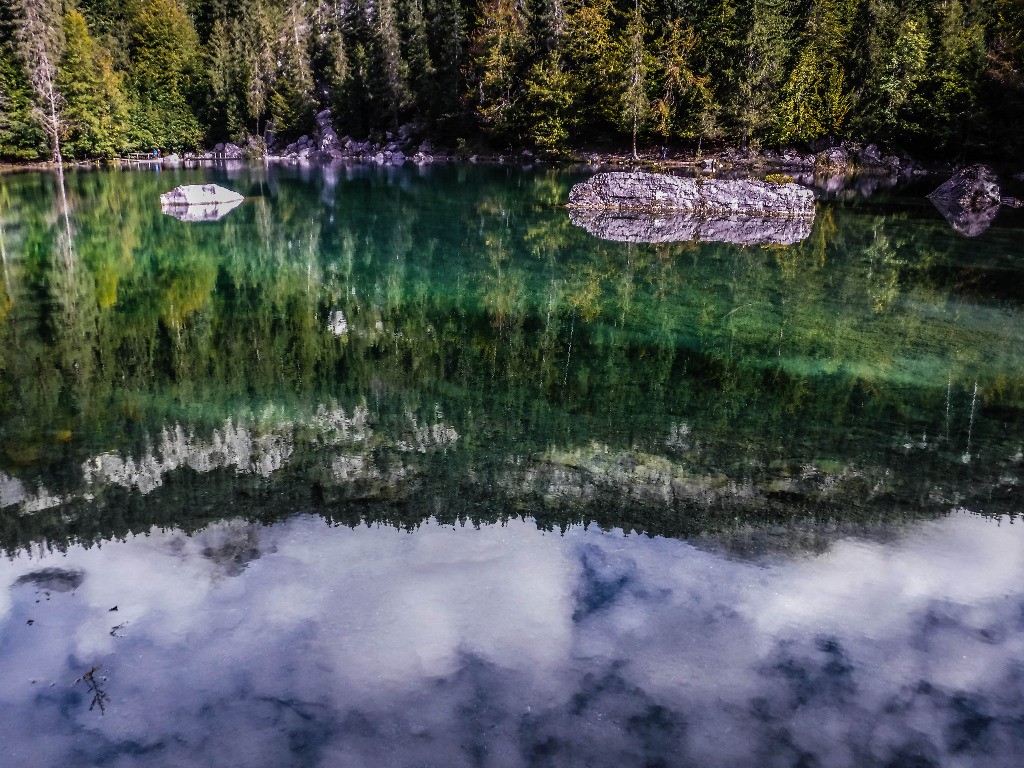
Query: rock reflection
636	227
200	213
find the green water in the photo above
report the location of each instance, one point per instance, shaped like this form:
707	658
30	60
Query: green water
393	345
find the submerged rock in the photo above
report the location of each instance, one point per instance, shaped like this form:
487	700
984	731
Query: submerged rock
740	229
659	193
969	200
199	202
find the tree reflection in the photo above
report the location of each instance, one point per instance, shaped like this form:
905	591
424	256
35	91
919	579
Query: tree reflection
470	294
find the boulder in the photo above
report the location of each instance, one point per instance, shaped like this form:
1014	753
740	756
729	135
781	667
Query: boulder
172	161
870	156
739	229
660	193
832	159
233	152
199	202
969	200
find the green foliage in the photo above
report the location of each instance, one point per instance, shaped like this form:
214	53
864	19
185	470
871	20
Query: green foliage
767	52
686	107
500	49
173	74
95	108
635	63
21	134
551	104
590	54
816	97
163	77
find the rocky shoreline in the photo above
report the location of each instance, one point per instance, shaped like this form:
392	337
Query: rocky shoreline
828	168
410	144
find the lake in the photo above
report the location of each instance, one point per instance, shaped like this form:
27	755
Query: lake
398	466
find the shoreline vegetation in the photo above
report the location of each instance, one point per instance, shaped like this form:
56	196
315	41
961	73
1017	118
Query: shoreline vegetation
98	79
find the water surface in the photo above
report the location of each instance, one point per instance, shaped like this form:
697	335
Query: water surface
397	466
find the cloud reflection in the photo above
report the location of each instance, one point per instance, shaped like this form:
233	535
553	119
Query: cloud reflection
302	644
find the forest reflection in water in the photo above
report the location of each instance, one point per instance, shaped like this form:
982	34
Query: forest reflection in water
500	360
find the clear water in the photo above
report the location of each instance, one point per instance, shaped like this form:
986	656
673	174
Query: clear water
398	467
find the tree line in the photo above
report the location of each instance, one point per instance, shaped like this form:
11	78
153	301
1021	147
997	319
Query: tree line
100	77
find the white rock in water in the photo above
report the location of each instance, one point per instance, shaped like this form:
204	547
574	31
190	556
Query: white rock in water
199	194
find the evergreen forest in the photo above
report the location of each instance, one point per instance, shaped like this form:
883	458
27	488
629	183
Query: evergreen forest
929	77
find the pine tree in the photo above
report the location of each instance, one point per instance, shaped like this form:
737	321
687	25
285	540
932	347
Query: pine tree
635	105
222	67
816	98
551	106
546	24
416	53
389	71
21	133
256	38
162	81
292	99
958	63
447	25
499	51
590	53
95	111
768	50
686	107
328	52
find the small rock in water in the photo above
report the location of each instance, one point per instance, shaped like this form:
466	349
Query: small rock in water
969	200
199	202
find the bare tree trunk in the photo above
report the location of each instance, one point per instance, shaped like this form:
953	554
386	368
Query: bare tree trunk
55	126
40	37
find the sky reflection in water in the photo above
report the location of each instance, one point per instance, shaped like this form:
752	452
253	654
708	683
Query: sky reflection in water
303	644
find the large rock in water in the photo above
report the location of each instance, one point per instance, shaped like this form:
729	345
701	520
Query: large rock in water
659	193
969	200
641	207
199	202
737	228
